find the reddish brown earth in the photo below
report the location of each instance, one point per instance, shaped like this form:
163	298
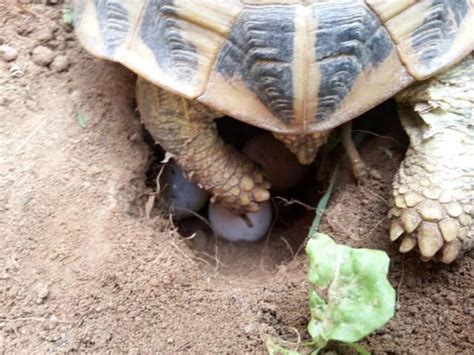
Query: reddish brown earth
82	267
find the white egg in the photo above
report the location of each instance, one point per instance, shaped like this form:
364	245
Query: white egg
280	165
232	227
182	196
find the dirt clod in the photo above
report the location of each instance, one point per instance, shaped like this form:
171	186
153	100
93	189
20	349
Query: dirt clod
60	63
44	34
42	292
7	53
42	56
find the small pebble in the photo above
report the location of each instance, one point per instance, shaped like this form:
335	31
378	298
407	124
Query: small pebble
42	291
54	320
60	63
8	53
42	56
249	228
16	71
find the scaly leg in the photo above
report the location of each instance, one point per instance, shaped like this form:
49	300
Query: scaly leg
433	191
359	168
185	128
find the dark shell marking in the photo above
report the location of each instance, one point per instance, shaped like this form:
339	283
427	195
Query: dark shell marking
349	39
113	22
161	31
259	52
435	36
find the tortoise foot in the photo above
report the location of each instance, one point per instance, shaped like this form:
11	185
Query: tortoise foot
429	212
363	174
239	185
433	191
186	129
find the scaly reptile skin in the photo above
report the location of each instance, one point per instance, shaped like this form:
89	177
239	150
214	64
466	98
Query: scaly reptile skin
433	191
185	128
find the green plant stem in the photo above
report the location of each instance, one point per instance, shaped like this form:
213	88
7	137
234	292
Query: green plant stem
323	203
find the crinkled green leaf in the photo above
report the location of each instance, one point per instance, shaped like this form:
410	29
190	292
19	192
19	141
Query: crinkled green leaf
359	297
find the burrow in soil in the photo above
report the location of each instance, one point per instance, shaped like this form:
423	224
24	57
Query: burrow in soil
293	209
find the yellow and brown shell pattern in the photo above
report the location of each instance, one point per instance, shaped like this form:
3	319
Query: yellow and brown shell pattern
289	66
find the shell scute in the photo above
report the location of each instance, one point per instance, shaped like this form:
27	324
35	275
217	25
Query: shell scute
290	66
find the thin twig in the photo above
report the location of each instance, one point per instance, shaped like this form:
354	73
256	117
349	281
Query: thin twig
375	226
378	135
374	194
294	202
186	256
289	247
159	256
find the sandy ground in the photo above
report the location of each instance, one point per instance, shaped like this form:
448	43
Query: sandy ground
82	268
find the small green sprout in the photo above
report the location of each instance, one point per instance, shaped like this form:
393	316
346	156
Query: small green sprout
81	119
68	15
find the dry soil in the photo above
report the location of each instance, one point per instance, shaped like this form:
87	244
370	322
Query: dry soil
84	267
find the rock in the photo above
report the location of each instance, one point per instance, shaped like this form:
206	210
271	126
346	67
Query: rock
42	292
8	53
44	34
42	56
58	43
60	63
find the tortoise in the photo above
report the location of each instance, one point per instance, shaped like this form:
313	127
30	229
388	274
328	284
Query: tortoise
300	68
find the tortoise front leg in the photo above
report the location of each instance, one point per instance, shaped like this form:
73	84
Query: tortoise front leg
185	128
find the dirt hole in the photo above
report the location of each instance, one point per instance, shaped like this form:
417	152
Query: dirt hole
294	209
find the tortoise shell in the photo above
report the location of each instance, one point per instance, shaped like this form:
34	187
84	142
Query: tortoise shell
289	66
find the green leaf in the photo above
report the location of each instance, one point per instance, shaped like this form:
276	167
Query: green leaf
359	297
81	119
68	15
